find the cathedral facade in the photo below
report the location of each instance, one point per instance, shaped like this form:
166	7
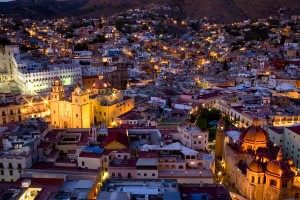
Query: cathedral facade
85	107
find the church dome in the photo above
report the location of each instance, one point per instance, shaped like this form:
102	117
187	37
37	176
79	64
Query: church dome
101	84
255	166
254	134
278	167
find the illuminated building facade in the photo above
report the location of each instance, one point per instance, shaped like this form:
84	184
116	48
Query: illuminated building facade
256	167
193	137
31	76
21	111
87	106
32	82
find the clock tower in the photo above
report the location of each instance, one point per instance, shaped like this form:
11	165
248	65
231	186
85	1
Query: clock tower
81	107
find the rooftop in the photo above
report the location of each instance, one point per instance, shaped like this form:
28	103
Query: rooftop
295	129
211	191
152	187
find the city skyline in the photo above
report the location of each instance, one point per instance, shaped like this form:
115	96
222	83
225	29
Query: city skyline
149	103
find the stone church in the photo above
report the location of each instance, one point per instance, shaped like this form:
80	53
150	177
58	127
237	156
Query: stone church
254	165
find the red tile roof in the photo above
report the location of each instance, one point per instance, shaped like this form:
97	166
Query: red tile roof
117	135
90	155
208	96
107	152
295	129
124	151
123	163
50	186
276	130
46	166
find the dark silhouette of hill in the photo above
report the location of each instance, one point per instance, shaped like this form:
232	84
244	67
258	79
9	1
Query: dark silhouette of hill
221	10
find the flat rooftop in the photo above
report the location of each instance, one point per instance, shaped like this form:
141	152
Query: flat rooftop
138	188
140	137
79	189
205	191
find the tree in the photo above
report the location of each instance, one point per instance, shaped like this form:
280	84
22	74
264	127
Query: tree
229	122
206	115
201	123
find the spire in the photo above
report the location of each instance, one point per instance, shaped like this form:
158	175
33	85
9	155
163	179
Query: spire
279	155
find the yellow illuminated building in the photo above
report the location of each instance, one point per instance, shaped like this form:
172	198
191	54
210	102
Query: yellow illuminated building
27	108
87	106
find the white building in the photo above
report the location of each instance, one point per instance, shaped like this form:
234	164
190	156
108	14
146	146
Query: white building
289	141
12	163
33	77
40	80
192	137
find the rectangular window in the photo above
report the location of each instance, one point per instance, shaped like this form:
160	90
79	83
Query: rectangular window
19	166
82	163
273	183
119	175
11	172
113	174
10	165
2	172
